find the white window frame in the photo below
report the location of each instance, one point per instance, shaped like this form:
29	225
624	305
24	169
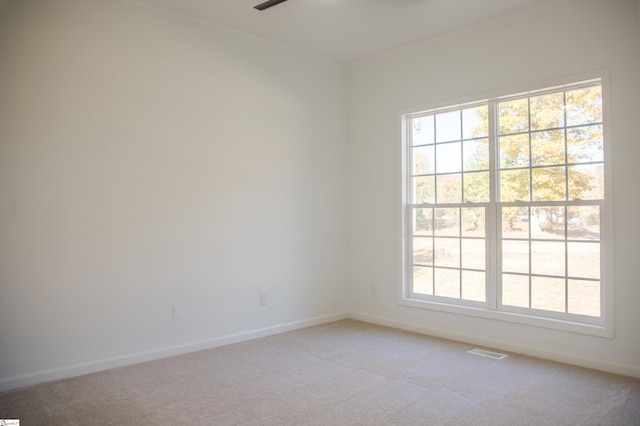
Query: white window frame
602	326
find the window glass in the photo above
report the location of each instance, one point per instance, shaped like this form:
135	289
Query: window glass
545	254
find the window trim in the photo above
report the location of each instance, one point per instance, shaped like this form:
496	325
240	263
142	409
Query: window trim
603	326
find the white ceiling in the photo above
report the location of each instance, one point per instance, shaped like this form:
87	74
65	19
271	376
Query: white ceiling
348	29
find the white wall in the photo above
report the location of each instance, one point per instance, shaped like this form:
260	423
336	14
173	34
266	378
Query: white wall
570	37
148	160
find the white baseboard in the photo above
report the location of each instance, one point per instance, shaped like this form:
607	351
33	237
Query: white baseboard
43	376
502	345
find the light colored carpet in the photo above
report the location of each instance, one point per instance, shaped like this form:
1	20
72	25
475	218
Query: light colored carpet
343	373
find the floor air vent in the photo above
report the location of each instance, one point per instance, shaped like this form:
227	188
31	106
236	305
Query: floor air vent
487	354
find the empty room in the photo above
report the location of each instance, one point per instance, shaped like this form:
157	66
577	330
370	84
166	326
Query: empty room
325	212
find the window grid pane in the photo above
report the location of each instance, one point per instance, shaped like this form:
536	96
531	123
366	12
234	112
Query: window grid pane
552	245
550	150
563	151
549	170
440	236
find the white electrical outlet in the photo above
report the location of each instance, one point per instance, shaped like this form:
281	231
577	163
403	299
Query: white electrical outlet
178	312
263	299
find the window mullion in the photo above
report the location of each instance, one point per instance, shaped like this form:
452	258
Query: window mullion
493	263
529	210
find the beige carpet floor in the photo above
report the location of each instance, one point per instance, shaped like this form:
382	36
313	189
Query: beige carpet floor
343	373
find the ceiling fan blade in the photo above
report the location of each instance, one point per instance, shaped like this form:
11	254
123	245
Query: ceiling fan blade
268	4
